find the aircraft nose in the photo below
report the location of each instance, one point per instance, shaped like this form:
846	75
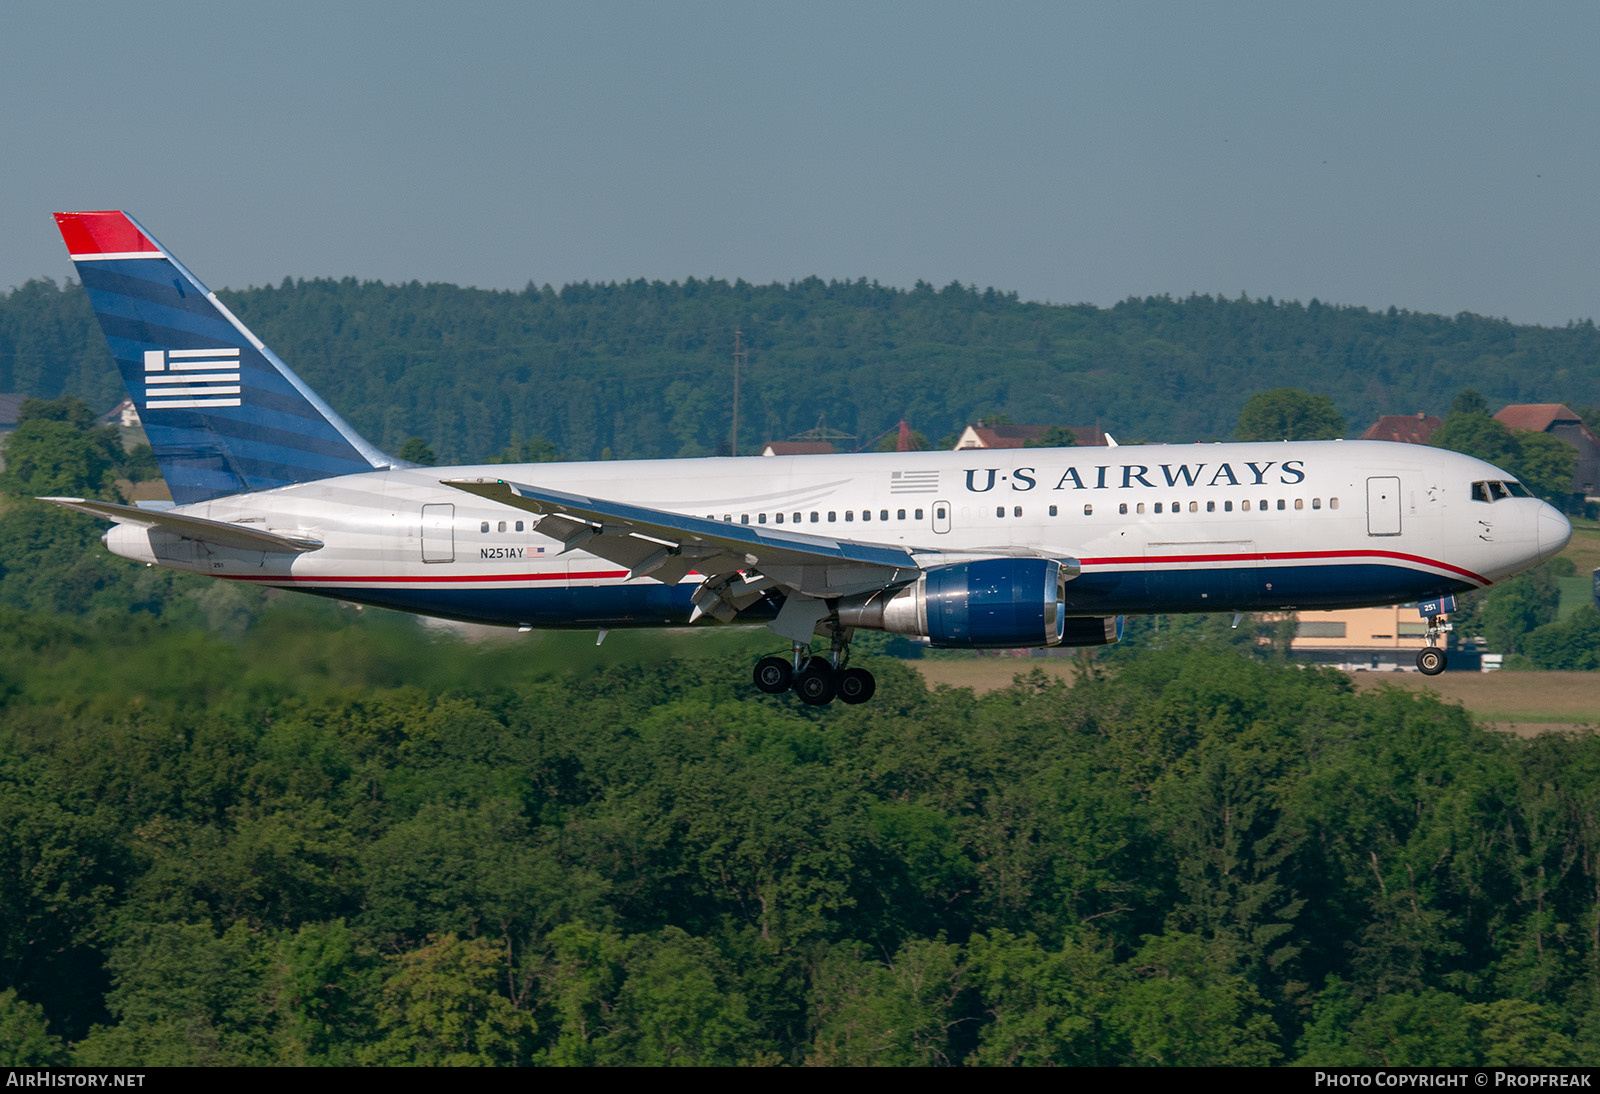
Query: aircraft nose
1555	531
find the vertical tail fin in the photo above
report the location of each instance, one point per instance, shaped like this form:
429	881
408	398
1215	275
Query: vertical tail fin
223	413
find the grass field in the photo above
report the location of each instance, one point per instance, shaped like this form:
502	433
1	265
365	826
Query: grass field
1584	550
1518	702
1521	702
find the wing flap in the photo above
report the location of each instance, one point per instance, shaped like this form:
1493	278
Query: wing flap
196	528
636	536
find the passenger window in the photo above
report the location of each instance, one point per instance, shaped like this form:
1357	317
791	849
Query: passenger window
727	518
778	518
519	526
1194	507
1211	507
484	527
866	514
1088	510
1316	503
883	514
899	514
744	518
1227	507
1054	510
1122	510
849	516
999	510
1158	507
797	518
501	527
1139	508
832	516
1333	503
1299	503
761	518
1244	506
1016	511
814	516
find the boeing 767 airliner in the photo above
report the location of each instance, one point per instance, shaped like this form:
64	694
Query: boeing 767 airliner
967	549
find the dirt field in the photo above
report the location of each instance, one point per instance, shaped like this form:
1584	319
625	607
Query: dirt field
1518	702
989	673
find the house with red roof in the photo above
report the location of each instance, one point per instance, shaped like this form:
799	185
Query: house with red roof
1559	421
1018	436
1405	428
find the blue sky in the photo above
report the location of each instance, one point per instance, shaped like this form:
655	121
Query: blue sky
1439	157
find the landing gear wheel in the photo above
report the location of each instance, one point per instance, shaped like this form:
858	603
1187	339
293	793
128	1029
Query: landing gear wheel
774	675
1431	661
856	685
817	684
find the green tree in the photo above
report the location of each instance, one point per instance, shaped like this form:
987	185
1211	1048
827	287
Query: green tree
1289	414
55	459
579	981
1055	437
25	1037
416	450
1470	404
1184	1006
1541	462
1571	644
897	1014
676	1008
441	1006
1046	1008
1518	606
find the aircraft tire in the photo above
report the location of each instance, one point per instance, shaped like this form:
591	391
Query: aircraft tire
857	685
817	684
1431	661
773	675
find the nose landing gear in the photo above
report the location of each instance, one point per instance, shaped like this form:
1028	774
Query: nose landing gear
1431	659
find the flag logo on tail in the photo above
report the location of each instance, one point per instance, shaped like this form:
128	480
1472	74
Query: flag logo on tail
191	377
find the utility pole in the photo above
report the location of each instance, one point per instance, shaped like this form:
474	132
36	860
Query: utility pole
738	359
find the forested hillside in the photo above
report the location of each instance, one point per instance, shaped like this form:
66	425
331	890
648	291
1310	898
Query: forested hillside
644	369
334	841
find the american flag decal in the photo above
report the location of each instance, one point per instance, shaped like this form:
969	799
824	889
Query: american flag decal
191	377
913	482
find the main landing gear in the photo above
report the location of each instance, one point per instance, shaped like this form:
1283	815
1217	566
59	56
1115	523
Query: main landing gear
816	679
1431	660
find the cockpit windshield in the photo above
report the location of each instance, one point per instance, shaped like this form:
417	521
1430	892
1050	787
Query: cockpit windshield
1495	491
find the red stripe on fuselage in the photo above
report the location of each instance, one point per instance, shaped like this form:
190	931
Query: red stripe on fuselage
1273	556
594	575
1139	561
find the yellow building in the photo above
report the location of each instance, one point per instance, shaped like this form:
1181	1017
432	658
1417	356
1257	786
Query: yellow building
1370	639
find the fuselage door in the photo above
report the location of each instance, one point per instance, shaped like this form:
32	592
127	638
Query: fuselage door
941	516
1383	506
438	533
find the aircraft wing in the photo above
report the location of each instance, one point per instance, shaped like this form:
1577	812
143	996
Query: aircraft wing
668	546
218	532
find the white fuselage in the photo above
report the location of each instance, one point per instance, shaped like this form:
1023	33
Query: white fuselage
1155	528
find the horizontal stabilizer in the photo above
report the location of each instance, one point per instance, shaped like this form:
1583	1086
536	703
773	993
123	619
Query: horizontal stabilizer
196	528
